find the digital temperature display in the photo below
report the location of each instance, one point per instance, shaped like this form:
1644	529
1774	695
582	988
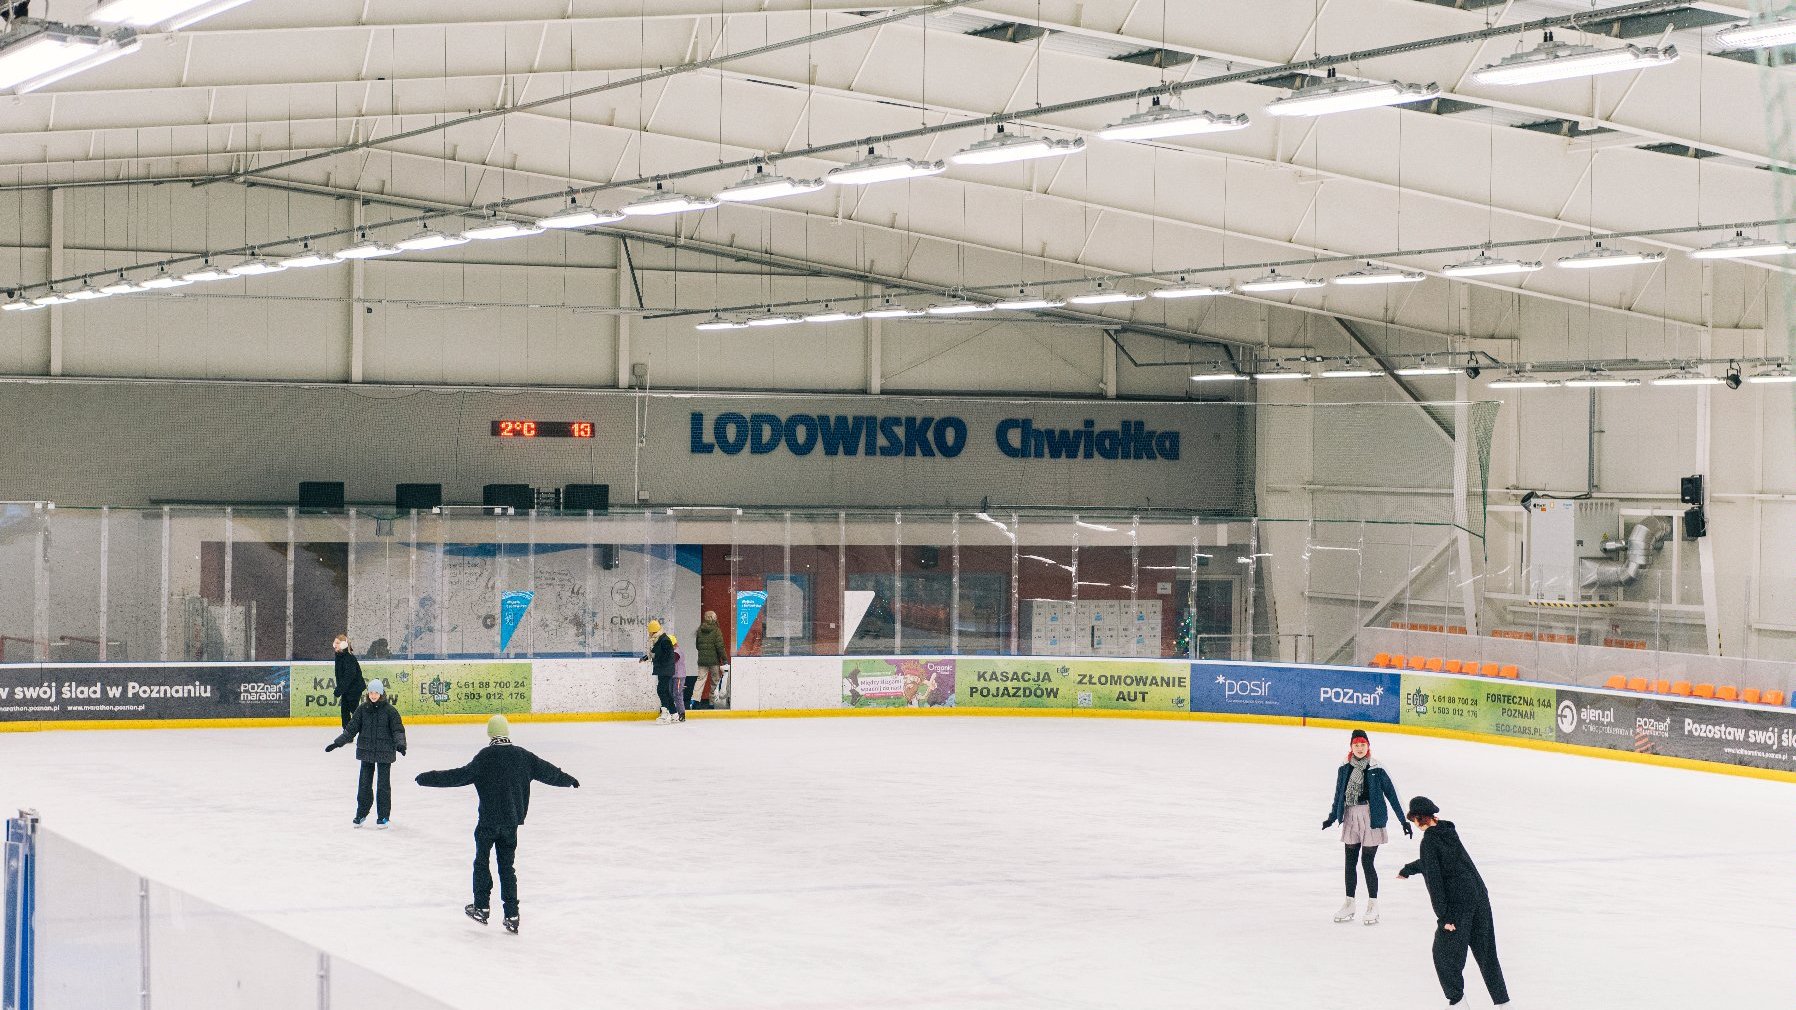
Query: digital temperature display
542	429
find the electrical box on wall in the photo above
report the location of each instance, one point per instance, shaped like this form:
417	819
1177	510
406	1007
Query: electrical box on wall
1561	534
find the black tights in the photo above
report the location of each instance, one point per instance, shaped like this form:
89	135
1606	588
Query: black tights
1365	856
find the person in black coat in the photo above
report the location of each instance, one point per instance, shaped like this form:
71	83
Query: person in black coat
501	774
349	678
665	665
1461	905
379	735
1362	789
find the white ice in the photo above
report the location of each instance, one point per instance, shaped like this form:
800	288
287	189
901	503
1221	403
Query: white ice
937	863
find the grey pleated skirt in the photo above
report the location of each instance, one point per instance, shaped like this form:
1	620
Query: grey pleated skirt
1357	829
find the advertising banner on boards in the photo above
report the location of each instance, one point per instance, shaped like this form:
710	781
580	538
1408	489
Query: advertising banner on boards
900	682
1499	707
1137	685
438	688
119	691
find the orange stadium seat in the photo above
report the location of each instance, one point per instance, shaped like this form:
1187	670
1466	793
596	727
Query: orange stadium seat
1509	673
1418	662
1681	689
1703	691
1616	683
1661	687
1382	660
1435	665
1774	697
1750	695
1637	684
1469	667
1452	666
1490	669
1727	693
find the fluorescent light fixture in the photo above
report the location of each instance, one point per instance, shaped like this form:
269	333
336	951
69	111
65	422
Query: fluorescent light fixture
255	266
1100	527
1102	294
1348	371
1158	121
830	314
427	239
122	286
718	322
875	168
763	185
87	294
1185	289
1024	301
1520	378
1599	378
1600	257
1337	95
1558	61
1426	366
665	201
172	15
888	309
1218	377
773	319
1741	247
1687	376
962	307
1781	373
367	249
576	216
207	272
17	303
1274	281
1003	148
1279	372
164	279
37	53
495	229
51	297
1758	35
1371	274
307	257
1486	265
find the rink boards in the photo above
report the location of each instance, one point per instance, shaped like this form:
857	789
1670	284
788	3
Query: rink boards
1714	735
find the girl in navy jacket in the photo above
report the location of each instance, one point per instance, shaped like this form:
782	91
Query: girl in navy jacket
1362	788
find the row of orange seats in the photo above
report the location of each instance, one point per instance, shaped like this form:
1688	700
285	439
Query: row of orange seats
1685	689
1438	664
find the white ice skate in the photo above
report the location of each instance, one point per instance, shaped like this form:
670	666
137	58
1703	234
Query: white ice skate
1346	912
665	716
1371	916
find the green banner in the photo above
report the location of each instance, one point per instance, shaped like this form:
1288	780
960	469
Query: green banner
446	688
883	682
1138	685
1498	707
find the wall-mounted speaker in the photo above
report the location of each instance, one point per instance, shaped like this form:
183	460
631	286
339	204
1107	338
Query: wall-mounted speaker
320	494
417	497
1690	489
586	498
928	557
517	497
1696	523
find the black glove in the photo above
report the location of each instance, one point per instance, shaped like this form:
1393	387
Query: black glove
576	783
331	747
1408	832
1329	823
402	752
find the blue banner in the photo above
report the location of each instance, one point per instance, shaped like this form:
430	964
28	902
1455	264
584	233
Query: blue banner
1311	692
512	604
1351	695
748	610
16	983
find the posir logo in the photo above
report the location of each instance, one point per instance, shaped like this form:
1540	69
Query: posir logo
1348	696
1568	716
1243	688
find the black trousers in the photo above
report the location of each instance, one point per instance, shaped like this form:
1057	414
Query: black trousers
367	795
1479	936
691	682
664	689
347	706
1366	856
505	840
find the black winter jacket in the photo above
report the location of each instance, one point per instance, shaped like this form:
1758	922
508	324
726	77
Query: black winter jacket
377	730
349	675
1454	886
1378	790
501	774
661	654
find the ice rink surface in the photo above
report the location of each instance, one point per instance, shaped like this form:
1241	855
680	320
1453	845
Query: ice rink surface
951	864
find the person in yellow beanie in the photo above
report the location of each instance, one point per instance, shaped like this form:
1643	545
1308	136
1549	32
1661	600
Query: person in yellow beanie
666	669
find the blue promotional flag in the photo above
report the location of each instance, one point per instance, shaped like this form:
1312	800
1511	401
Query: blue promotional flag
748	609
512	604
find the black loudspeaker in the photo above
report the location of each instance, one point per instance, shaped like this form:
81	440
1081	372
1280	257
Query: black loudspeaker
928	557
417	497
320	494
1696	523
519	497
1690	490
605	556
586	498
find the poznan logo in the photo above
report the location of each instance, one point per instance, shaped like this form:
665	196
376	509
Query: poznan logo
1349	696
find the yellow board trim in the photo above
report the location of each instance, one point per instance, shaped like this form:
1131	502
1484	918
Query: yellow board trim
1663	761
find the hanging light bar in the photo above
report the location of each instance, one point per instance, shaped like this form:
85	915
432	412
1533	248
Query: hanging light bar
1558	61
306	257
1103	294
1278	372
1024	301
773	319
171	15
206	272
1519	378
164	279
958	308
87	294
875	168
36	53
1741	247
1337	95
1486	265
367	249
1599	378
122	286
888	309
1425	366
764	186
255	266
496	228
1687	376
1185	289
1003	148
1158	121
1601	257
1758	35
428	238
1349	370
1371	274
1780	373
665	201
830	314
18	303
1219	377
718	322
577	216
1272	280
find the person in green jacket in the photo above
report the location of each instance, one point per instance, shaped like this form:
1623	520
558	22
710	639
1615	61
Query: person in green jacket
712	654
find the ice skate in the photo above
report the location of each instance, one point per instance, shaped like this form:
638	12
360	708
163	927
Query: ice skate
477	913
381	824
358	821
665	716
1346	912
1371	916
511	924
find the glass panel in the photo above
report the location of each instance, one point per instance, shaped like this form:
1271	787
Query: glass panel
871	559
811	585
259	578
987	585
926	562
73	560
1048	614
134	585
87	928
204	955
22	525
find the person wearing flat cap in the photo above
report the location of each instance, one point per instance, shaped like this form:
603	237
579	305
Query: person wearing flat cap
1461	905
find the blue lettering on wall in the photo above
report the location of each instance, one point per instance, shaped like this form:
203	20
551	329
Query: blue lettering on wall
927	437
